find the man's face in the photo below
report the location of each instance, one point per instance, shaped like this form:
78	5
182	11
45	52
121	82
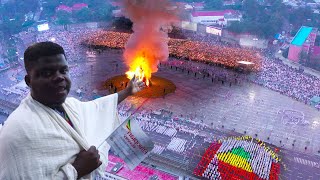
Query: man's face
49	80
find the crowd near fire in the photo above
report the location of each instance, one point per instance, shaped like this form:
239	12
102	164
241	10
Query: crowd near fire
161	90
181	48
297	88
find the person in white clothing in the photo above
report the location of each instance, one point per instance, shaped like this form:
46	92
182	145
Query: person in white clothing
50	136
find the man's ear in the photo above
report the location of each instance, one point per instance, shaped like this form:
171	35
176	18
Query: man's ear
27	80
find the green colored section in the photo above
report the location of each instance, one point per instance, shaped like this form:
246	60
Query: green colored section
301	36
128	125
241	152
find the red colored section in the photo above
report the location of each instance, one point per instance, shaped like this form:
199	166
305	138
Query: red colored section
294	52
64	8
79	6
206	159
274	171
232	173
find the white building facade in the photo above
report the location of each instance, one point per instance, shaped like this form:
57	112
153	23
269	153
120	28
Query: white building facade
221	18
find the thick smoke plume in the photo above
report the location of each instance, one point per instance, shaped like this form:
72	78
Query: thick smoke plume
151	19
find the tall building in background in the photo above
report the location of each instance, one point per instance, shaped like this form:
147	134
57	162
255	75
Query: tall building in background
303	42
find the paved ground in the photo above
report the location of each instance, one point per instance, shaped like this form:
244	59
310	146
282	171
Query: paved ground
249	107
246	109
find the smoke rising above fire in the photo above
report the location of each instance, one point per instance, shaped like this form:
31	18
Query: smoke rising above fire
148	43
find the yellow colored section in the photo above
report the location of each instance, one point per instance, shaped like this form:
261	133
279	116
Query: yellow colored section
235	160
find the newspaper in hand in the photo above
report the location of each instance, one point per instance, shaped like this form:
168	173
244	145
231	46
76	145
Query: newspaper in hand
130	143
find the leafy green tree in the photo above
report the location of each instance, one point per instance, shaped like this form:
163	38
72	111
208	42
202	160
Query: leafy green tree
12	55
63	17
83	15
26	6
69	2
27	24
11	26
303	16
49	8
250	8
95	3
237	27
102	12
122	23
260	19
214	4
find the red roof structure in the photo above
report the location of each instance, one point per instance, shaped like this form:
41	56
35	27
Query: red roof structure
115	3
79	6
75	7
213	13
64	8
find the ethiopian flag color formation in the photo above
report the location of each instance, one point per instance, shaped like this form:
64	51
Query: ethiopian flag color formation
239	158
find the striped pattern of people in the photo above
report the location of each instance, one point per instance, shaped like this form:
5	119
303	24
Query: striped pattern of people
238	158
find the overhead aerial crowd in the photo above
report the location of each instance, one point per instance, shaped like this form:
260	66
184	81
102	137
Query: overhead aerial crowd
272	73
287	80
183	48
188	56
203	58
69	40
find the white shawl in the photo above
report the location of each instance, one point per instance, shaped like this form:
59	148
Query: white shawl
37	143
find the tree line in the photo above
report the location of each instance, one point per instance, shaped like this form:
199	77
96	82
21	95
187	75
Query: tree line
13	13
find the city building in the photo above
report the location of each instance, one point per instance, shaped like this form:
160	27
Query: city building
303	42
221	18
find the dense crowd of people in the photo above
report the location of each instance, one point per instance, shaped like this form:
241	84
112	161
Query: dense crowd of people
108	39
69	40
211	53
287	80
158	149
184	48
165	126
202	71
177	145
273	73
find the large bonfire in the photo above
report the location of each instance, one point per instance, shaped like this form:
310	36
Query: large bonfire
148	45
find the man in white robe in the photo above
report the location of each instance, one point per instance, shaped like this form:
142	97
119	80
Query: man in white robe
50	136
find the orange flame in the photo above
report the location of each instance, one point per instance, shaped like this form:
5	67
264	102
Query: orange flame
148	44
141	68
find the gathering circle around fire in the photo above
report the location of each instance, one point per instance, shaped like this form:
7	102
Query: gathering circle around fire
158	87
202	57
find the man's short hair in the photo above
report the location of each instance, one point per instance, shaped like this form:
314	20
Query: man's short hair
41	49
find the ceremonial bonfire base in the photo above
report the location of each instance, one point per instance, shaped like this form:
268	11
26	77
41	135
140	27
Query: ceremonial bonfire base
158	87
